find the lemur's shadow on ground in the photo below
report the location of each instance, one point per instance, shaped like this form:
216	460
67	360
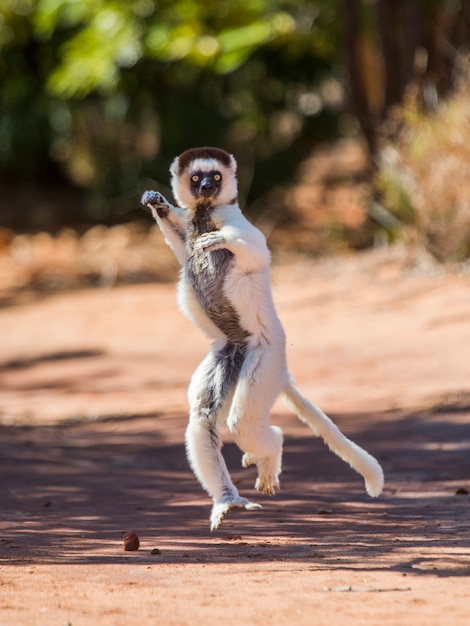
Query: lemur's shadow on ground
70	492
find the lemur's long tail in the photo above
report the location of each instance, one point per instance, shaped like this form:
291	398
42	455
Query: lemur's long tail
323	427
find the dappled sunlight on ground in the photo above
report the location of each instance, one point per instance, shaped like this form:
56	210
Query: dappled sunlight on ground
92	419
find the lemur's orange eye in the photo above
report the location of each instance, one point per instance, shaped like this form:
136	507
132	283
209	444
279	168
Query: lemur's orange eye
217	177
195	178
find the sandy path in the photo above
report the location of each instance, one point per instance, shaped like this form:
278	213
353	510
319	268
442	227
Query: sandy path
93	411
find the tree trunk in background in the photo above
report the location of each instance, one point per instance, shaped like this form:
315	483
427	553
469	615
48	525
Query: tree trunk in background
357	92
403	29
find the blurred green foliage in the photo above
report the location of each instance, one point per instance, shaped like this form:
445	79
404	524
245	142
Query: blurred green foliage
102	94
98	96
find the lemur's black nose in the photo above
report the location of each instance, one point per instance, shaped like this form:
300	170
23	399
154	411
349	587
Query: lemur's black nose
207	187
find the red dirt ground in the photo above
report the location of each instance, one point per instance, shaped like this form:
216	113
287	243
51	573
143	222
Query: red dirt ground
92	416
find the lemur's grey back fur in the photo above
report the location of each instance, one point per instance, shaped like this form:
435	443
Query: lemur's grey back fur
221	374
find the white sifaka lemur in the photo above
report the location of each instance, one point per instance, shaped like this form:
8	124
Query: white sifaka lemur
225	290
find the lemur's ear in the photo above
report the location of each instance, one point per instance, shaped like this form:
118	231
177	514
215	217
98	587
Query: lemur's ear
233	163
174	166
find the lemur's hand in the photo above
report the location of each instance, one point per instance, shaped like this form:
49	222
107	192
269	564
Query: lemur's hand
210	241
156	202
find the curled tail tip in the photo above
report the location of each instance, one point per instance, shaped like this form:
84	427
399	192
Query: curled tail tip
375	485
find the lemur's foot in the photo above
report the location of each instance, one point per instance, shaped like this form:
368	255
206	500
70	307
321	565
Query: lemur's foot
156	202
267	485
268	480
220	509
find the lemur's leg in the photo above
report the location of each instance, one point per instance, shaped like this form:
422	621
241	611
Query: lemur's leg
209	394
261	380
171	220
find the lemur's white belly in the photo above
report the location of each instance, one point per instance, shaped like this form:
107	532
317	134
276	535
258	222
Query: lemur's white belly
250	295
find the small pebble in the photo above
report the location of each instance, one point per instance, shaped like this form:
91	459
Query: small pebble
325	511
131	542
155	551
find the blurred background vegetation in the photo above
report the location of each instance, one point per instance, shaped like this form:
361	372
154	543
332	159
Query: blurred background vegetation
349	118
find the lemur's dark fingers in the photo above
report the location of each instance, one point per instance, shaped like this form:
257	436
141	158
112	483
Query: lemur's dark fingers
156	203
152	198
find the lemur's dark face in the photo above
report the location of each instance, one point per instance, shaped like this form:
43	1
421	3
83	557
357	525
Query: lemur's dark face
204	176
205	184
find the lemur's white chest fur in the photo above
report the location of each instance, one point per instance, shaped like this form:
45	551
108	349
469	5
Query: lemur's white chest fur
225	289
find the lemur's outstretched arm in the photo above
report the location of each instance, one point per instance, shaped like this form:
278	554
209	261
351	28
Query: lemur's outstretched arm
171	219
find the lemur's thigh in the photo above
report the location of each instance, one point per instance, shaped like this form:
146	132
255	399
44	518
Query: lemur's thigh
261	380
